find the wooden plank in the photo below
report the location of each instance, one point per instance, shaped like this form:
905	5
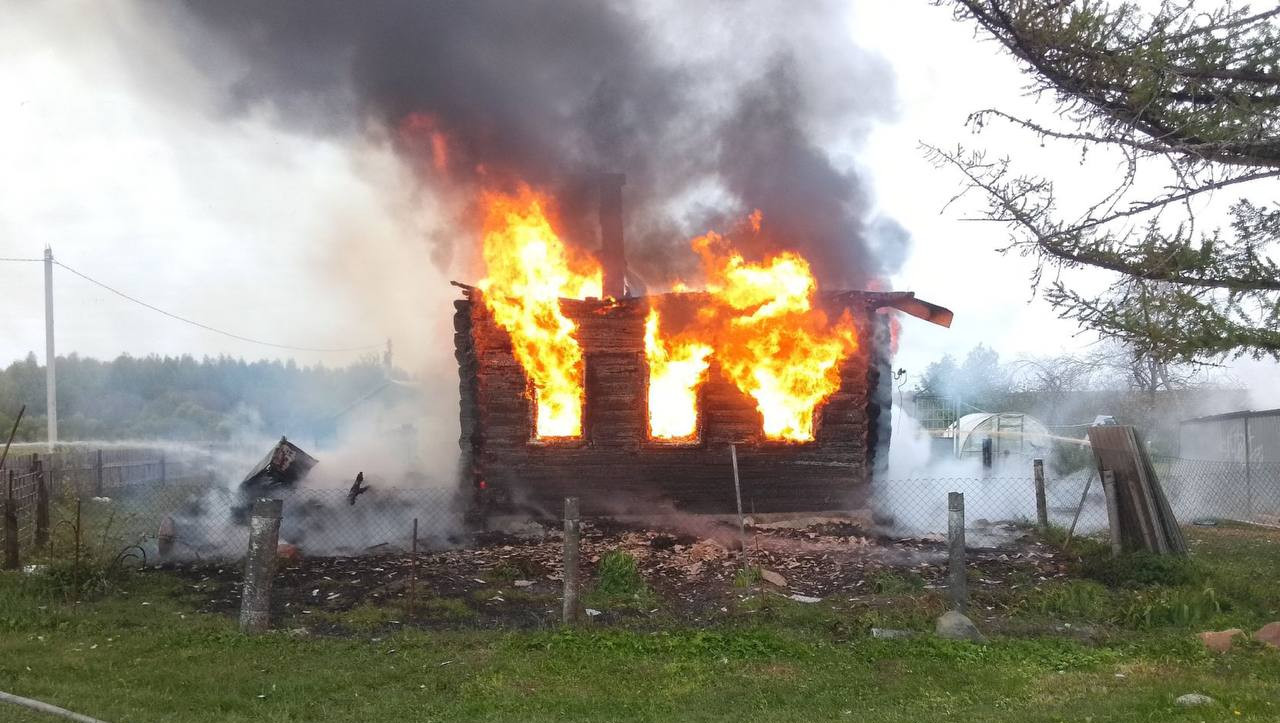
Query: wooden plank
1145	493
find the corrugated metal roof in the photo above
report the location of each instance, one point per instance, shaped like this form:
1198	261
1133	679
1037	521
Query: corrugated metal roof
1234	415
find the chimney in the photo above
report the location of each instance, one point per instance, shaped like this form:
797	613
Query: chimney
612	254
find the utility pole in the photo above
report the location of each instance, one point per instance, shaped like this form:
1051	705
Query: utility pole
51	376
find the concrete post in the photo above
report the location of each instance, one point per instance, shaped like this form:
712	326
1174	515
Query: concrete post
260	565
1113	511
572	535
51	375
1042	505
959	581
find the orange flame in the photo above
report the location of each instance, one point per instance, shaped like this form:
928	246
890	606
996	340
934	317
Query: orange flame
769	339
529	270
676	369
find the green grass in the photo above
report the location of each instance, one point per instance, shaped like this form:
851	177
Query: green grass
140	654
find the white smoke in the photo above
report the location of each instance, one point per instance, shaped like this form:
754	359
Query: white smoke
911	496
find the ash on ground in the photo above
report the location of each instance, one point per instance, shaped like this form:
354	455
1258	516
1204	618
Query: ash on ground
514	578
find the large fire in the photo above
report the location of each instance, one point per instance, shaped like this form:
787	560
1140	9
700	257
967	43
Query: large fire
529	269
760	324
677	367
767	336
770	341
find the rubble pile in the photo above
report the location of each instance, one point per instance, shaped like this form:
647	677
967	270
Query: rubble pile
515	578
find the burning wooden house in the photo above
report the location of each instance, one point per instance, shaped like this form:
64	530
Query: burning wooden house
632	403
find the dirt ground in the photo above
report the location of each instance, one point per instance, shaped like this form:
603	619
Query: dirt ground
513	578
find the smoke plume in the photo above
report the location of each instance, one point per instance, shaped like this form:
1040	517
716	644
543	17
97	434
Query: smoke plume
711	109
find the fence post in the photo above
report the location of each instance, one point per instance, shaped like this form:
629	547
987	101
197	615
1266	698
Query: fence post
42	506
164	476
737	491
572	533
1113	511
260	565
1248	472
955	538
413	570
10	526
1042	505
75	567
97	485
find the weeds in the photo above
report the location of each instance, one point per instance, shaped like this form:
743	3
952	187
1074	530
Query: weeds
1159	607
619	584
1140	569
893	583
1074	599
748	576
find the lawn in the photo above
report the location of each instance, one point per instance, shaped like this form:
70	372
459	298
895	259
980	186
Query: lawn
1120	646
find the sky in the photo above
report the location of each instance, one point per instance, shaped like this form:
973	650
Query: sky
303	240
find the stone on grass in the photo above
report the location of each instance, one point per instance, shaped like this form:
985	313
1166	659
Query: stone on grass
1269	634
773	578
1219	641
1193	699
891	634
805	598
953	625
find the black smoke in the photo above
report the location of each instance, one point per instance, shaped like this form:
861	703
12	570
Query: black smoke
710	108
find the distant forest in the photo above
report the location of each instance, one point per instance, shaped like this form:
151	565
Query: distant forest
183	398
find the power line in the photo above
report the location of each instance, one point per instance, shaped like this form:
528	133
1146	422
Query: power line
206	327
2	258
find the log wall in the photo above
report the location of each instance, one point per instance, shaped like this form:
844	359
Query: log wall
615	468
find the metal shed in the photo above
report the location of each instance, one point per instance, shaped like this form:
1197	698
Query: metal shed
1246	444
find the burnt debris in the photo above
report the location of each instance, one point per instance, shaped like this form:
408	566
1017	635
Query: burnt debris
357	488
283	466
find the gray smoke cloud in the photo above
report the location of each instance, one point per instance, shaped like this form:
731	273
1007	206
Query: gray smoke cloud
711	109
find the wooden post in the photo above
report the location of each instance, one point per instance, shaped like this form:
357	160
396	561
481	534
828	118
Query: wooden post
97	486
1042	505
5	454
572	535
955	539
737	491
75	567
1083	495
1113	511
164	470
42	507
11	561
413	570
260	565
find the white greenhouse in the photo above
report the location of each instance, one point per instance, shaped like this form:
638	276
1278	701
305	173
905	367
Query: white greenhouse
1012	434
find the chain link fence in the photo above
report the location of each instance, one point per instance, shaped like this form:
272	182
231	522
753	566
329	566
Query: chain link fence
166	505
1196	489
